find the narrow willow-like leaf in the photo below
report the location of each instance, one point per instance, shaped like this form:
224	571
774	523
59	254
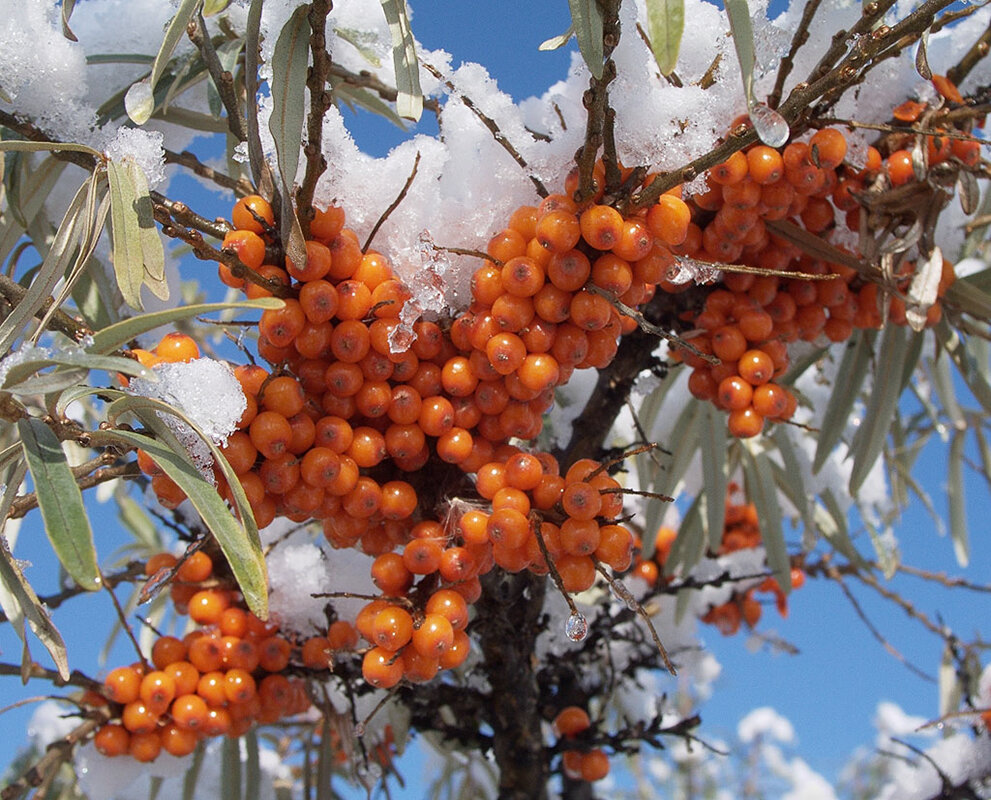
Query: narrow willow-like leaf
139	100
120	333
832	522
738	13
972	295
712	444
943	384
324	772
362	41
849	379
252	766
35	187
761	490
950	691
129	366
239	542
212	7
61	503
887	554
966	365
869	439
127	257
230	769
19	600
289	67
955	497
689	545
133	517
355	96
409	98
21	145
682	447
557	42
67	6
52	269
192	777
152	251
665	28
790	480
586	19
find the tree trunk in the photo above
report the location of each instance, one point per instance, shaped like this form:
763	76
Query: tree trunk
509	615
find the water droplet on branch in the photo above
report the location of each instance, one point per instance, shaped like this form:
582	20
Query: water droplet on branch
576	627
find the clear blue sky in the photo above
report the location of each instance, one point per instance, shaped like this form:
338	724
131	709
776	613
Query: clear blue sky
829	691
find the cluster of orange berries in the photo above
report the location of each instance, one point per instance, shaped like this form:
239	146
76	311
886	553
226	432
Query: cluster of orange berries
586	765
225	675
748	321
741	531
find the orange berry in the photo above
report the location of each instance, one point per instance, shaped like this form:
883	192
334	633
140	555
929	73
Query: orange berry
594	765
558	231
316	652
112	739
571	720
253	213
732	170
137	717
382	668
157	691
239	686
755	367
122	685
601	226
668	219
451	605
434	636
745	422
899	167
145	747
177	347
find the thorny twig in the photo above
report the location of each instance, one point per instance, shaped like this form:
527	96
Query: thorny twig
191	162
798	40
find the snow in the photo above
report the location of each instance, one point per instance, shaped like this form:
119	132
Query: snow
207	392
142	147
764	722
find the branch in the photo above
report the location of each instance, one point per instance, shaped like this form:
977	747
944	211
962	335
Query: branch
490	123
798	40
75	329
320	101
222	79
22	505
189	160
394	204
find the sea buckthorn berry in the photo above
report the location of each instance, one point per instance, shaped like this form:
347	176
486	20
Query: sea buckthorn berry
506	244
947	88
239	686
451	605
728	343
112	739
423	556
185	675
316	653
247	246
827	148
350	341
434	636
569	270
734	393
177	741
455	445
765	164
457	377
137	717
579	537
615	547
732	170
577	572
206	653
522	276
458	651
668	219
273	275
436	415
594	765
177	347
122	685
969	152
745	423
581	500
145	747
157	691
755	367
590	312
382	668
899	167
770	400
635	242
601	226
558	231
327	223
317	263
571	720
253	213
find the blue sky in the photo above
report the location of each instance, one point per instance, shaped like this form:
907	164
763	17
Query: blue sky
829	691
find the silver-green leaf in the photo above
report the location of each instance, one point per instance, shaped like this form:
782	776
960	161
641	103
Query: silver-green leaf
586	18
61	503
409	100
665	28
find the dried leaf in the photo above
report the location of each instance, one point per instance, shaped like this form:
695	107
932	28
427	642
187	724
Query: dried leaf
586	19
67	6
968	191
557	42
922	57
362	41
665	27
923	291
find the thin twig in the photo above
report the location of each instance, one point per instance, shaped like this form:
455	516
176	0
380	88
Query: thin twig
394	204
631	602
798	40
133	571
124	624
191	162
75	329
366	80
493	127
969	60
222	79
835	575
22	505
537	521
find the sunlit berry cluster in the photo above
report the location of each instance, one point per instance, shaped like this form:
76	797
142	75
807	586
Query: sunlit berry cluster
748	320
588	764
228	673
